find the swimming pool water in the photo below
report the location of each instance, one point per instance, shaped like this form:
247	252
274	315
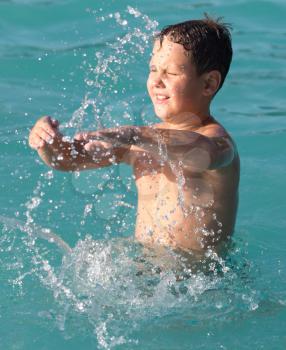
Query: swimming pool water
85	63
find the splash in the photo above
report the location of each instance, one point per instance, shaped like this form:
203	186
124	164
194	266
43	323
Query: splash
121	286
35	231
116	286
119	289
107	71
105	80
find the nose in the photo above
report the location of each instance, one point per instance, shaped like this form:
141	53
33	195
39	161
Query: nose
157	80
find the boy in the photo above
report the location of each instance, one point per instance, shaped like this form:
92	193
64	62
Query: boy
186	167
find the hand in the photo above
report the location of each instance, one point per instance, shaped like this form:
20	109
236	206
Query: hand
102	143
120	136
99	144
99	149
44	132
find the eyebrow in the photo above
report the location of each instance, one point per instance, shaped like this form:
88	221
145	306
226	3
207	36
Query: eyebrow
181	67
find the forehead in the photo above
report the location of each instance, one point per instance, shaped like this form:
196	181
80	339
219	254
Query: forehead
170	52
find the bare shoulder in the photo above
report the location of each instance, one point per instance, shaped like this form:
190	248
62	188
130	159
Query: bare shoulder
217	132
224	150
213	130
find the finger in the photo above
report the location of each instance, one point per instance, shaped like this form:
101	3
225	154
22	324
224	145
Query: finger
92	146
45	119
50	122
47	125
36	142
81	136
48	129
44	135
98	146
87	135
90	135
55	123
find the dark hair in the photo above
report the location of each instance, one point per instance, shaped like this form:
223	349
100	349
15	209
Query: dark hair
208	40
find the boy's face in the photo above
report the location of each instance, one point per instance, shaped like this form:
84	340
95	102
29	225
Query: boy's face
173	84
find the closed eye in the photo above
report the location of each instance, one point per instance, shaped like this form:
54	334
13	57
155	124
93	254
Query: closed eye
153	68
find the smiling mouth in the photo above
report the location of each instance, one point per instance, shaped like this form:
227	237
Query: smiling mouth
161	98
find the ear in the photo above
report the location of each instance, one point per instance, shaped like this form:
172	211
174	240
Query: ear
212	81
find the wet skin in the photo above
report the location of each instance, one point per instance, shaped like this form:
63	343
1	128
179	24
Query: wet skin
186	167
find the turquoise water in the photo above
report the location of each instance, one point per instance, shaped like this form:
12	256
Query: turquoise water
85	63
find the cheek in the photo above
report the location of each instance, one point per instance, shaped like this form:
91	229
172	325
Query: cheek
149	85
186	89
178	90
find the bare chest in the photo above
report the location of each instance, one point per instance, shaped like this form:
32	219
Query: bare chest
169	187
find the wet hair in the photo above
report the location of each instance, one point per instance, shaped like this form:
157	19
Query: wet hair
207	41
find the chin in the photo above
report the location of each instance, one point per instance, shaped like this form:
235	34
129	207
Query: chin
163	115
166	117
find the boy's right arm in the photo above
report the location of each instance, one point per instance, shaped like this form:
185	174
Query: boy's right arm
85	152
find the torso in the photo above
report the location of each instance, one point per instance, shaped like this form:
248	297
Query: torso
182	208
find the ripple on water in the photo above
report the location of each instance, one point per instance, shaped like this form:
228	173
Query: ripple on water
121	285
116	288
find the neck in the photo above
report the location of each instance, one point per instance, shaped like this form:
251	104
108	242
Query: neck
189	120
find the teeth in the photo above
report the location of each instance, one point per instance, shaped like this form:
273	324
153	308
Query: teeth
161	97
